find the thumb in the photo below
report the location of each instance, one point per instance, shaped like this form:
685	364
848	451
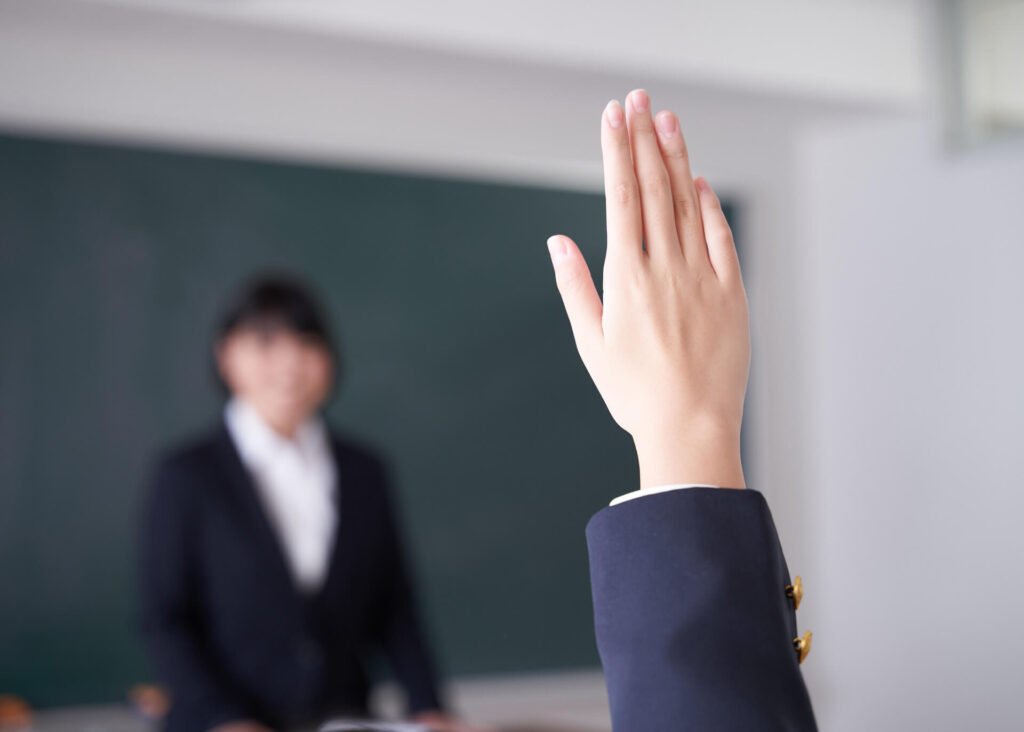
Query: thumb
579	295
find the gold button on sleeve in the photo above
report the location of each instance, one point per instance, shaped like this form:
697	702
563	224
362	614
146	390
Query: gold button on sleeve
795	592
802	645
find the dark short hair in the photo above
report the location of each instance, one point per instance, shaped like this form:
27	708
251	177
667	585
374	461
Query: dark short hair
277	300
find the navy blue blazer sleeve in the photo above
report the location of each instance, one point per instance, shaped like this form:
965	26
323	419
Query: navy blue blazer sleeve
693	624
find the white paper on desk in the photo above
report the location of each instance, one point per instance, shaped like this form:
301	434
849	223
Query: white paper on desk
369	725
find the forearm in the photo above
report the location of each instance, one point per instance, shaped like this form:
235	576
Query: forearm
410	657
197	689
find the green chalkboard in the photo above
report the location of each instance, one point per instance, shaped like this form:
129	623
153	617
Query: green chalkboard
460	367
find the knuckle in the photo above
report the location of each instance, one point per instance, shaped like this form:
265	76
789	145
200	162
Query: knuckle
653	185
685	207
721	234
677	153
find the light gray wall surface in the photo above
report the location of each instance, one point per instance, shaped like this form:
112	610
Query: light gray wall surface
915	327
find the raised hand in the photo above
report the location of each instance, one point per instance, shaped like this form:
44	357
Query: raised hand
669	347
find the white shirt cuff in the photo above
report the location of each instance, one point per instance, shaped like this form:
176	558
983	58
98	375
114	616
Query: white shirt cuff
657	489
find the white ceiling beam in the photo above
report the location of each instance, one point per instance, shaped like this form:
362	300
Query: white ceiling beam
851	50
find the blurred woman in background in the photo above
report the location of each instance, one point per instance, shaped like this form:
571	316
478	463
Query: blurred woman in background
271	566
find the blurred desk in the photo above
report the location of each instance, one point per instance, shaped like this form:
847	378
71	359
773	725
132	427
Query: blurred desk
113	718
559	701
543	702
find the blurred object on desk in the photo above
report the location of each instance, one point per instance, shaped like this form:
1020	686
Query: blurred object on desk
149	701
355	725
15	714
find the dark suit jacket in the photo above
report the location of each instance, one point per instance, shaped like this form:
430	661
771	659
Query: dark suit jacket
230	633
693	623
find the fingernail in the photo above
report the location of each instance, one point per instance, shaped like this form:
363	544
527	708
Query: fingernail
667	124
702	185
613	112
641	102
557	249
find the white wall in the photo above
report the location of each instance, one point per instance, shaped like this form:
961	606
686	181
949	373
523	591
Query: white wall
795	46
916	325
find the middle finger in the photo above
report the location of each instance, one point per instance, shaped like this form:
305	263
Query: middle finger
658	216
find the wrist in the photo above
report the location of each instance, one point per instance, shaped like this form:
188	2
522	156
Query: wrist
705	452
